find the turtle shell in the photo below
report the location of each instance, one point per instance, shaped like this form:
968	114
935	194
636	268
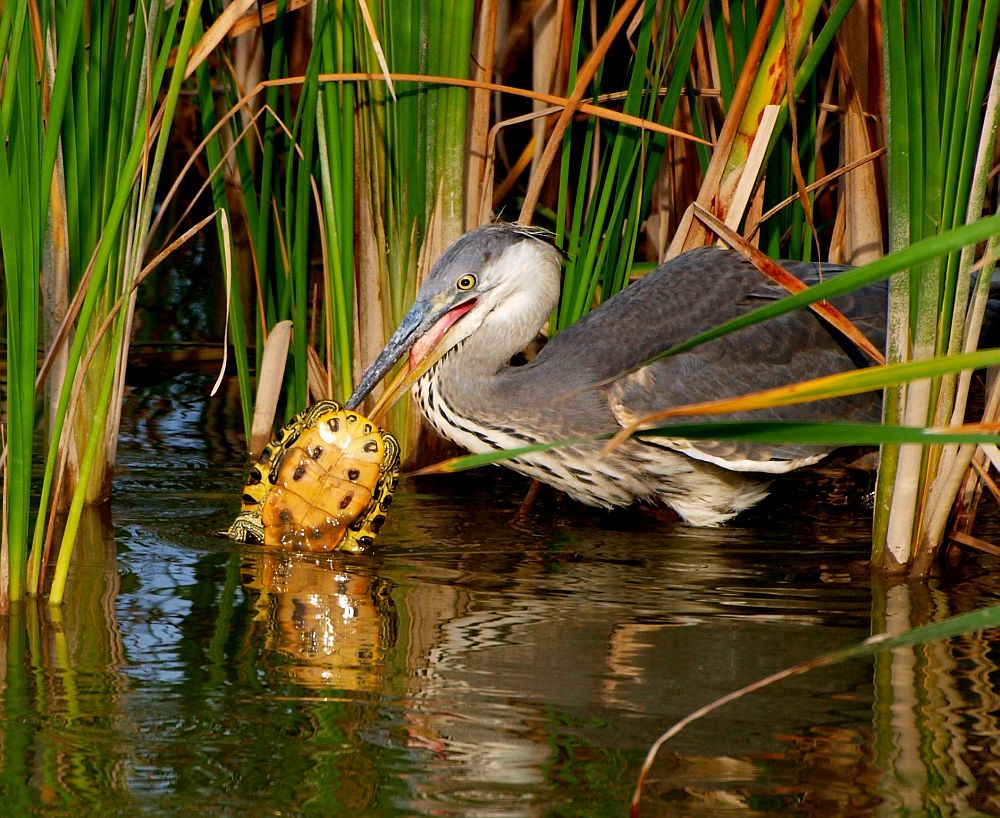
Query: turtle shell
324	483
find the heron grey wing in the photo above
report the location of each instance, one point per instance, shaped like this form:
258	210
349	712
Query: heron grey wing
793	347
687	295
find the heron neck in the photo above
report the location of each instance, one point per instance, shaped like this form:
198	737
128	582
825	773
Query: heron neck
479	358
467	375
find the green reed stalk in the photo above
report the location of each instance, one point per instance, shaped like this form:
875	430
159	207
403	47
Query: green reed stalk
297	216
934	124
238	318
29	127
271	272
105	86
96	461
599	214
411	154
451	124
333	26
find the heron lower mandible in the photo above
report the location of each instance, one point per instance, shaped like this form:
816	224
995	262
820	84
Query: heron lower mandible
490	293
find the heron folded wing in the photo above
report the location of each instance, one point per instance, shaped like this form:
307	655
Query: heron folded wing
741	363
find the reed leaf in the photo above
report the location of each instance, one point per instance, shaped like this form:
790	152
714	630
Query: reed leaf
806	433
335	134
599	213
22	191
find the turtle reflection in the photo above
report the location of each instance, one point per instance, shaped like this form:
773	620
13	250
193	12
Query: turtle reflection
327	624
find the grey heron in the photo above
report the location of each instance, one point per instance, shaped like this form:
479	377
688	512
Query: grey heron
489	294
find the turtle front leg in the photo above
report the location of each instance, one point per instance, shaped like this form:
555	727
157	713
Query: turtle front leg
247	528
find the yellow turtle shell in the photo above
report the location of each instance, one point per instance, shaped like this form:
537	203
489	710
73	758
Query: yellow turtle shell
324	483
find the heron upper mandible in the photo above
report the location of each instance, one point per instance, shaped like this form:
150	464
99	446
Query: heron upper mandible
488	296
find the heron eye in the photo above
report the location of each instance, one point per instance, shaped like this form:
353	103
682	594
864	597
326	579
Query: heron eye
466	282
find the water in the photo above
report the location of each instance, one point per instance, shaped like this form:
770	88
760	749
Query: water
476	666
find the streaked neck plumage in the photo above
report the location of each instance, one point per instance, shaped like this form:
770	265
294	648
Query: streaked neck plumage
512	313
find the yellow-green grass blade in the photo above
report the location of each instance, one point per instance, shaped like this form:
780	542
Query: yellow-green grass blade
804	432
852	382
777	432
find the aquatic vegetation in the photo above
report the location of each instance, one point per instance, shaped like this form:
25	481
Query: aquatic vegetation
345	144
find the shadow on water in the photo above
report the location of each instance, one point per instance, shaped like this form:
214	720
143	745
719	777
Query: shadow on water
474	666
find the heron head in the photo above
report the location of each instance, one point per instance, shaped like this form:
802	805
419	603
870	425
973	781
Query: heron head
501	276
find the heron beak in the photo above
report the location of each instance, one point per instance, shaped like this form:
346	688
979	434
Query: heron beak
420	334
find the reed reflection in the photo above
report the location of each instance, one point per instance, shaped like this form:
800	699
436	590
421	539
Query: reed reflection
62	690
936	708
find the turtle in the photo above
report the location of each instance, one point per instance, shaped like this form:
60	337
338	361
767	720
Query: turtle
324	483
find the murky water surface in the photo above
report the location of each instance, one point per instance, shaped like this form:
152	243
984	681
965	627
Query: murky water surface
476	666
